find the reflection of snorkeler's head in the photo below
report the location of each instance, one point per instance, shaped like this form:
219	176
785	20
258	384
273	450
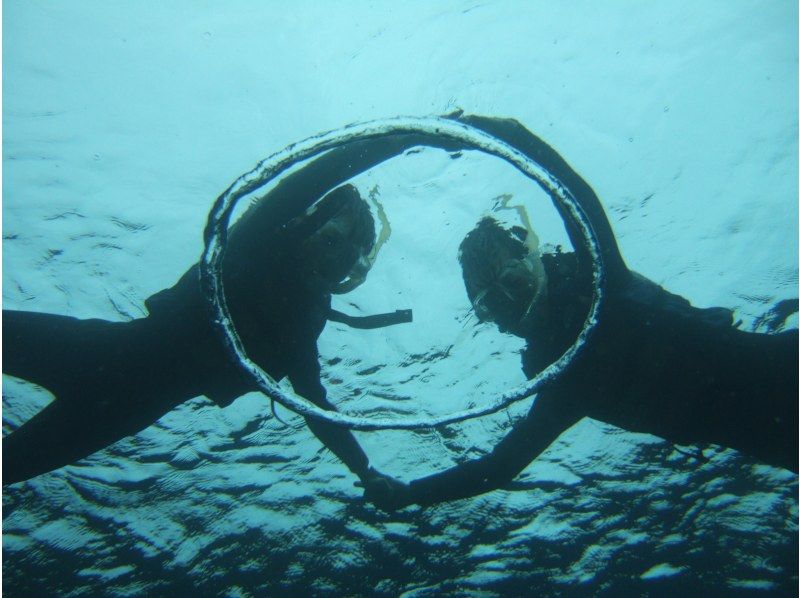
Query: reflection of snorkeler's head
505	281
338	233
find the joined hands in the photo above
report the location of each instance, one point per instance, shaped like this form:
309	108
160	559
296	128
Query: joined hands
385	492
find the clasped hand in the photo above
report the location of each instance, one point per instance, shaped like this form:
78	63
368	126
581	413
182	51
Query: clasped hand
385	492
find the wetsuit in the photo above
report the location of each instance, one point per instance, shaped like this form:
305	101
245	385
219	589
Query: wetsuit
112	379
656	365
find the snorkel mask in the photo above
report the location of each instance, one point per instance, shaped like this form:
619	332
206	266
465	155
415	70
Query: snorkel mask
505	276
364	264
516	300
343	237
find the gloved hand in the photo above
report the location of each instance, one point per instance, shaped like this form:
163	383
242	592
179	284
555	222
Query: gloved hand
385	492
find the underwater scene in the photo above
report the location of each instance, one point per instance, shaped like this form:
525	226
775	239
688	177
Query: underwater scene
451	298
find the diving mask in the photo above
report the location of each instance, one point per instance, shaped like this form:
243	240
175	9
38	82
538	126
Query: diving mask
514	299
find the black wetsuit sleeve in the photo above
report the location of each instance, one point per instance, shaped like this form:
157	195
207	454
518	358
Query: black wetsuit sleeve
305	379
529	437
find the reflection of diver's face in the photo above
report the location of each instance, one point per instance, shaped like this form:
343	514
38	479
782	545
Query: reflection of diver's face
330	254
510	298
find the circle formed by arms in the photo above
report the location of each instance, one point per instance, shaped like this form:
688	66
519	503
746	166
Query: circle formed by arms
432	131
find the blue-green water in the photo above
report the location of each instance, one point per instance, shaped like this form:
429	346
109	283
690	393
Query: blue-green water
122	122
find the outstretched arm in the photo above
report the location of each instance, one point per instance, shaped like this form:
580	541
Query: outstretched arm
305	379
547	420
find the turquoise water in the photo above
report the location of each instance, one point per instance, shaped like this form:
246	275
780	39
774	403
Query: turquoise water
122	123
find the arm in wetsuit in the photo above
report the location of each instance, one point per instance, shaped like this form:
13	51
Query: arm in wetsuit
658	366
547	419
530	436
305	379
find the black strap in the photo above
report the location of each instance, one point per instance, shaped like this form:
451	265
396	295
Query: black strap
399	316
